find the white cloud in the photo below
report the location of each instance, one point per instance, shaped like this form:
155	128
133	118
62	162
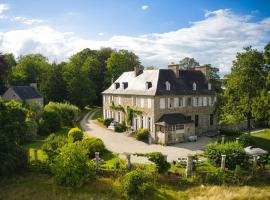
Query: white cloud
144	7
215	40
101	34
26	20
3	7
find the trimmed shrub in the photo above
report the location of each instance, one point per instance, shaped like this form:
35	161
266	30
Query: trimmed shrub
235	154
120	128
93	145
158	158
137	184
53	144
245	140
72	166
107	121
50	121
75	134
142	134
69	113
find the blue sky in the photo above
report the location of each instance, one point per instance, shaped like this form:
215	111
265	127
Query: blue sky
159	31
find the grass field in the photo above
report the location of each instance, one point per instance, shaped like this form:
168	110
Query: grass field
42	187
262	139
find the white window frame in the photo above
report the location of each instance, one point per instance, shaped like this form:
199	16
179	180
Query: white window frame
209	86
194	86
162	103
180	102
149	102
168	85
170	102
176	102
142	102
119	100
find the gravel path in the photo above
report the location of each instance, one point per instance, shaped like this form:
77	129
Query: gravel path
121	143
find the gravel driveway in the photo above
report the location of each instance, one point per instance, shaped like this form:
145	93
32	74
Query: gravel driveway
121	143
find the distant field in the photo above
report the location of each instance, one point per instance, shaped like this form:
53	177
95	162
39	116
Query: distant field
42	187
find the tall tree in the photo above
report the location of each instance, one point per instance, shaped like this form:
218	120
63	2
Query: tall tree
244	84
53	86
188	63
119	62
267	54
3	73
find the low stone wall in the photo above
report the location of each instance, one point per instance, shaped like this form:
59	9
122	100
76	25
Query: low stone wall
238	126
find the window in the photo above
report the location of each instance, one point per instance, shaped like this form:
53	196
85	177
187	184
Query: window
119	116
180	102
170	102
196	120
179	127
134	101
194	86
162	103
195	101
149	124
142	102
200	103
209	86
149	103
211	119
168	86
188	101
210	101
148	85
204	101
176	102
119	100
116	85
142	121
125	85
189	118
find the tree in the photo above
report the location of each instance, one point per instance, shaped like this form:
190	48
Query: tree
188	63
244	84
53	86
151	67
267	54
30	69
119	62
3	73
214	77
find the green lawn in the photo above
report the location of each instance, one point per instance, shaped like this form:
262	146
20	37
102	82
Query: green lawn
262	139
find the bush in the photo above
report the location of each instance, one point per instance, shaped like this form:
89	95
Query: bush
158	158
107	121
142	135
69	113
50	121
75	134
235	154
53	144
12	159
229	133
72	166
137	183
245	140
93	145
120	128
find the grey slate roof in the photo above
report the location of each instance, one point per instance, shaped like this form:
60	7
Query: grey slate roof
174	118
179	86
26	92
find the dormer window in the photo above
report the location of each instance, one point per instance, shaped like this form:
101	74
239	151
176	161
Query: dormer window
125	85
116	85
168	86
148	85
209	86
194	86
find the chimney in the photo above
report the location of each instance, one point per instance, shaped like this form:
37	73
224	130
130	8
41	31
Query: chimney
204	70
175	68
137	71
34	85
